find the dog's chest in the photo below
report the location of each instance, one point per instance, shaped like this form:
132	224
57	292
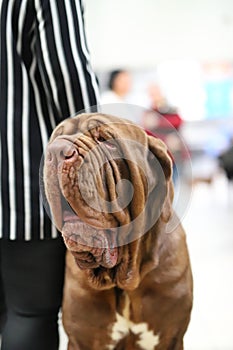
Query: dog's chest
145	338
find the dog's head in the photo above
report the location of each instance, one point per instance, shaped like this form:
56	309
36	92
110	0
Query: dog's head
108	185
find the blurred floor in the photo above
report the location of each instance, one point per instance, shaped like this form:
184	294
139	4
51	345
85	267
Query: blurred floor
209	227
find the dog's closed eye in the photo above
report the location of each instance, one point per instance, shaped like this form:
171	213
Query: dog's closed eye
109	144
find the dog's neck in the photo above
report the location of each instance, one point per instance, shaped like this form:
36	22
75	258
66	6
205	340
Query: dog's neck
143	257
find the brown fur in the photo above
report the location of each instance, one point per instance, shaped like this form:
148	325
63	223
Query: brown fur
151	279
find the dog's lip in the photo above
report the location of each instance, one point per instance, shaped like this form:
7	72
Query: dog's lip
107	259
87	256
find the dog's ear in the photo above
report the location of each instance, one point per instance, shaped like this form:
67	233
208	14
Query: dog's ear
160	151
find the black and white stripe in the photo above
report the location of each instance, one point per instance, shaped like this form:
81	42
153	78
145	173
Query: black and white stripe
45	77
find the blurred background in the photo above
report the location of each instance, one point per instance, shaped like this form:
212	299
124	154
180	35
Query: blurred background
177	61
184	48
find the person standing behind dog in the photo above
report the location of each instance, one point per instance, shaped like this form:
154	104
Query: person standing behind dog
46	77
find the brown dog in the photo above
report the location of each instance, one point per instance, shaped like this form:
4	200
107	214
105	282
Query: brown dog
128	280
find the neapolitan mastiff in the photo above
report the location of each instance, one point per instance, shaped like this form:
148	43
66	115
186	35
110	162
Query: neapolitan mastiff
128	279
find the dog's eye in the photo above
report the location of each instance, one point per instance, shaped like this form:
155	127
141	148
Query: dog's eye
107	143
100	139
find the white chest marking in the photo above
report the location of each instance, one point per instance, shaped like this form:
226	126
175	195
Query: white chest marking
147	339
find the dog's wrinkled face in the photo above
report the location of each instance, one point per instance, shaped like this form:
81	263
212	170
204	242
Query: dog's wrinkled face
106	184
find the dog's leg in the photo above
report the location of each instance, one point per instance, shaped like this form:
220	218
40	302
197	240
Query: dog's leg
176	343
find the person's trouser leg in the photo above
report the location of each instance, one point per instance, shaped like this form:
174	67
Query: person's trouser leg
32	274
2	303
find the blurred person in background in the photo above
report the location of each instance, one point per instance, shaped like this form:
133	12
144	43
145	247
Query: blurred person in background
119	86
115	99
164	121
46	77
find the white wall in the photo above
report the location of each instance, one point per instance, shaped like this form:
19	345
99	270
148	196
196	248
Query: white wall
141	33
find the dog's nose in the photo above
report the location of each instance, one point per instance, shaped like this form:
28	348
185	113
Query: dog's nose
61	150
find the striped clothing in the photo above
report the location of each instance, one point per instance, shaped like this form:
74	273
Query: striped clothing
45	77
